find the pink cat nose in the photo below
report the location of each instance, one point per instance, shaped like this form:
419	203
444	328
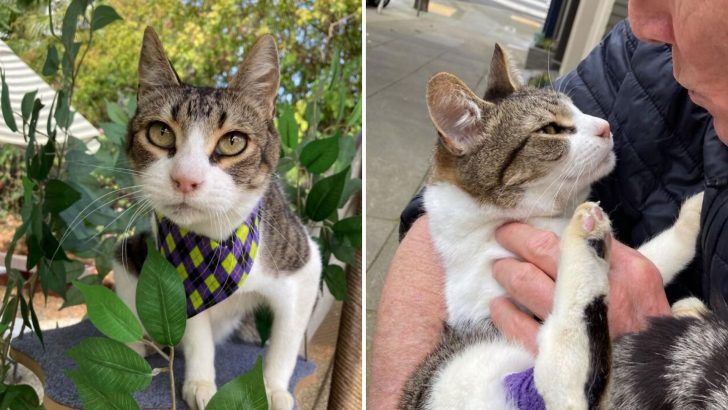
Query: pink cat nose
603	129
185	184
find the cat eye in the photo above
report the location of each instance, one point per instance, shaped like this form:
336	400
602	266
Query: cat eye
553	128
161	135
232	143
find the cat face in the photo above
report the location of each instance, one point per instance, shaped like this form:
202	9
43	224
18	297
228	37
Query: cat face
204	155
514	141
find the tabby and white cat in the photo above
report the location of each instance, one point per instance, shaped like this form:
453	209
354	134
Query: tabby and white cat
205	158
530	155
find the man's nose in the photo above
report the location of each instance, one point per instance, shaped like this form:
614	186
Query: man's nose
651	20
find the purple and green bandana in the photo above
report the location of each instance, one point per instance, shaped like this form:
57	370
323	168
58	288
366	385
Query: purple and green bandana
210	270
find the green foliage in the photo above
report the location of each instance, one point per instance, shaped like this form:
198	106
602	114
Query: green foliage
109	314
243	392
111	366
323	199
160	299
96	399
47	192
12	167
19	396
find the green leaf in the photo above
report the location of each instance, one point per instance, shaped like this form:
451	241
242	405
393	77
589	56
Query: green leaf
342	249
288	127
52	250
7	109
160	299
63	111
109	314
19	396
50	67
70	19
116	113
319	155
352	186
116	133
111	366
32	126
347	151
35	251
9	313
243	392
335	278
26	106
74	296
94	399
59	196
350	228
103	16
42	162
263	322
36	323
355	118
324	196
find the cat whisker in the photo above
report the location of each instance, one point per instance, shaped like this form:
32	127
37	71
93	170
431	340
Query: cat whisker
121	214
80	217
146	207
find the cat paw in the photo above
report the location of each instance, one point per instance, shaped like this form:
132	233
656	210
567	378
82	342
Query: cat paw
590	224
197	393
280	400
690	307
689	219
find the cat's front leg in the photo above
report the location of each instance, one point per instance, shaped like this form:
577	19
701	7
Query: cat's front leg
292	303
573	364
198	346
673	249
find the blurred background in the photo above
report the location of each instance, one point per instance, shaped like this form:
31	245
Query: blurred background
407	42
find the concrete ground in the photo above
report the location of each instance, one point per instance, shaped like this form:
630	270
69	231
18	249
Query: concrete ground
403	52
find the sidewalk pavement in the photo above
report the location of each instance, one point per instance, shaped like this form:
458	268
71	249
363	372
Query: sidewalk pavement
403	52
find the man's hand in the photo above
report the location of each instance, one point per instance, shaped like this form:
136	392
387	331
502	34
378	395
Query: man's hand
635	287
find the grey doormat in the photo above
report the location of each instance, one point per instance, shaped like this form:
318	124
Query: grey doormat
231	360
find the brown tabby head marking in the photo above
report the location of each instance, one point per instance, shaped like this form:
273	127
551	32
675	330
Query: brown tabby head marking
204	151
515	138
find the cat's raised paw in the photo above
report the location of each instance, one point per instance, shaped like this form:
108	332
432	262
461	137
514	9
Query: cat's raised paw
689	220
197	393
690	307
591	224
280	400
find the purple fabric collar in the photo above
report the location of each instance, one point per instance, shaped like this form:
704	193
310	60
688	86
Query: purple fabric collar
210	270
521	391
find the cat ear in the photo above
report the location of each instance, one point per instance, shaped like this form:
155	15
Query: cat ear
502	79
258	75
456	112
155	70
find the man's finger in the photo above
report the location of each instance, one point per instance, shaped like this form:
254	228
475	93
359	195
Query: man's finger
516	325
539	247
527	284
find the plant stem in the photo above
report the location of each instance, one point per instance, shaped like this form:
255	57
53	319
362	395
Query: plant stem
171	376
155	347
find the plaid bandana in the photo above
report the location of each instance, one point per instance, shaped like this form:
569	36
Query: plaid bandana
210	270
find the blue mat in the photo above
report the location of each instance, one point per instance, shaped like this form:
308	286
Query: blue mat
59	388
